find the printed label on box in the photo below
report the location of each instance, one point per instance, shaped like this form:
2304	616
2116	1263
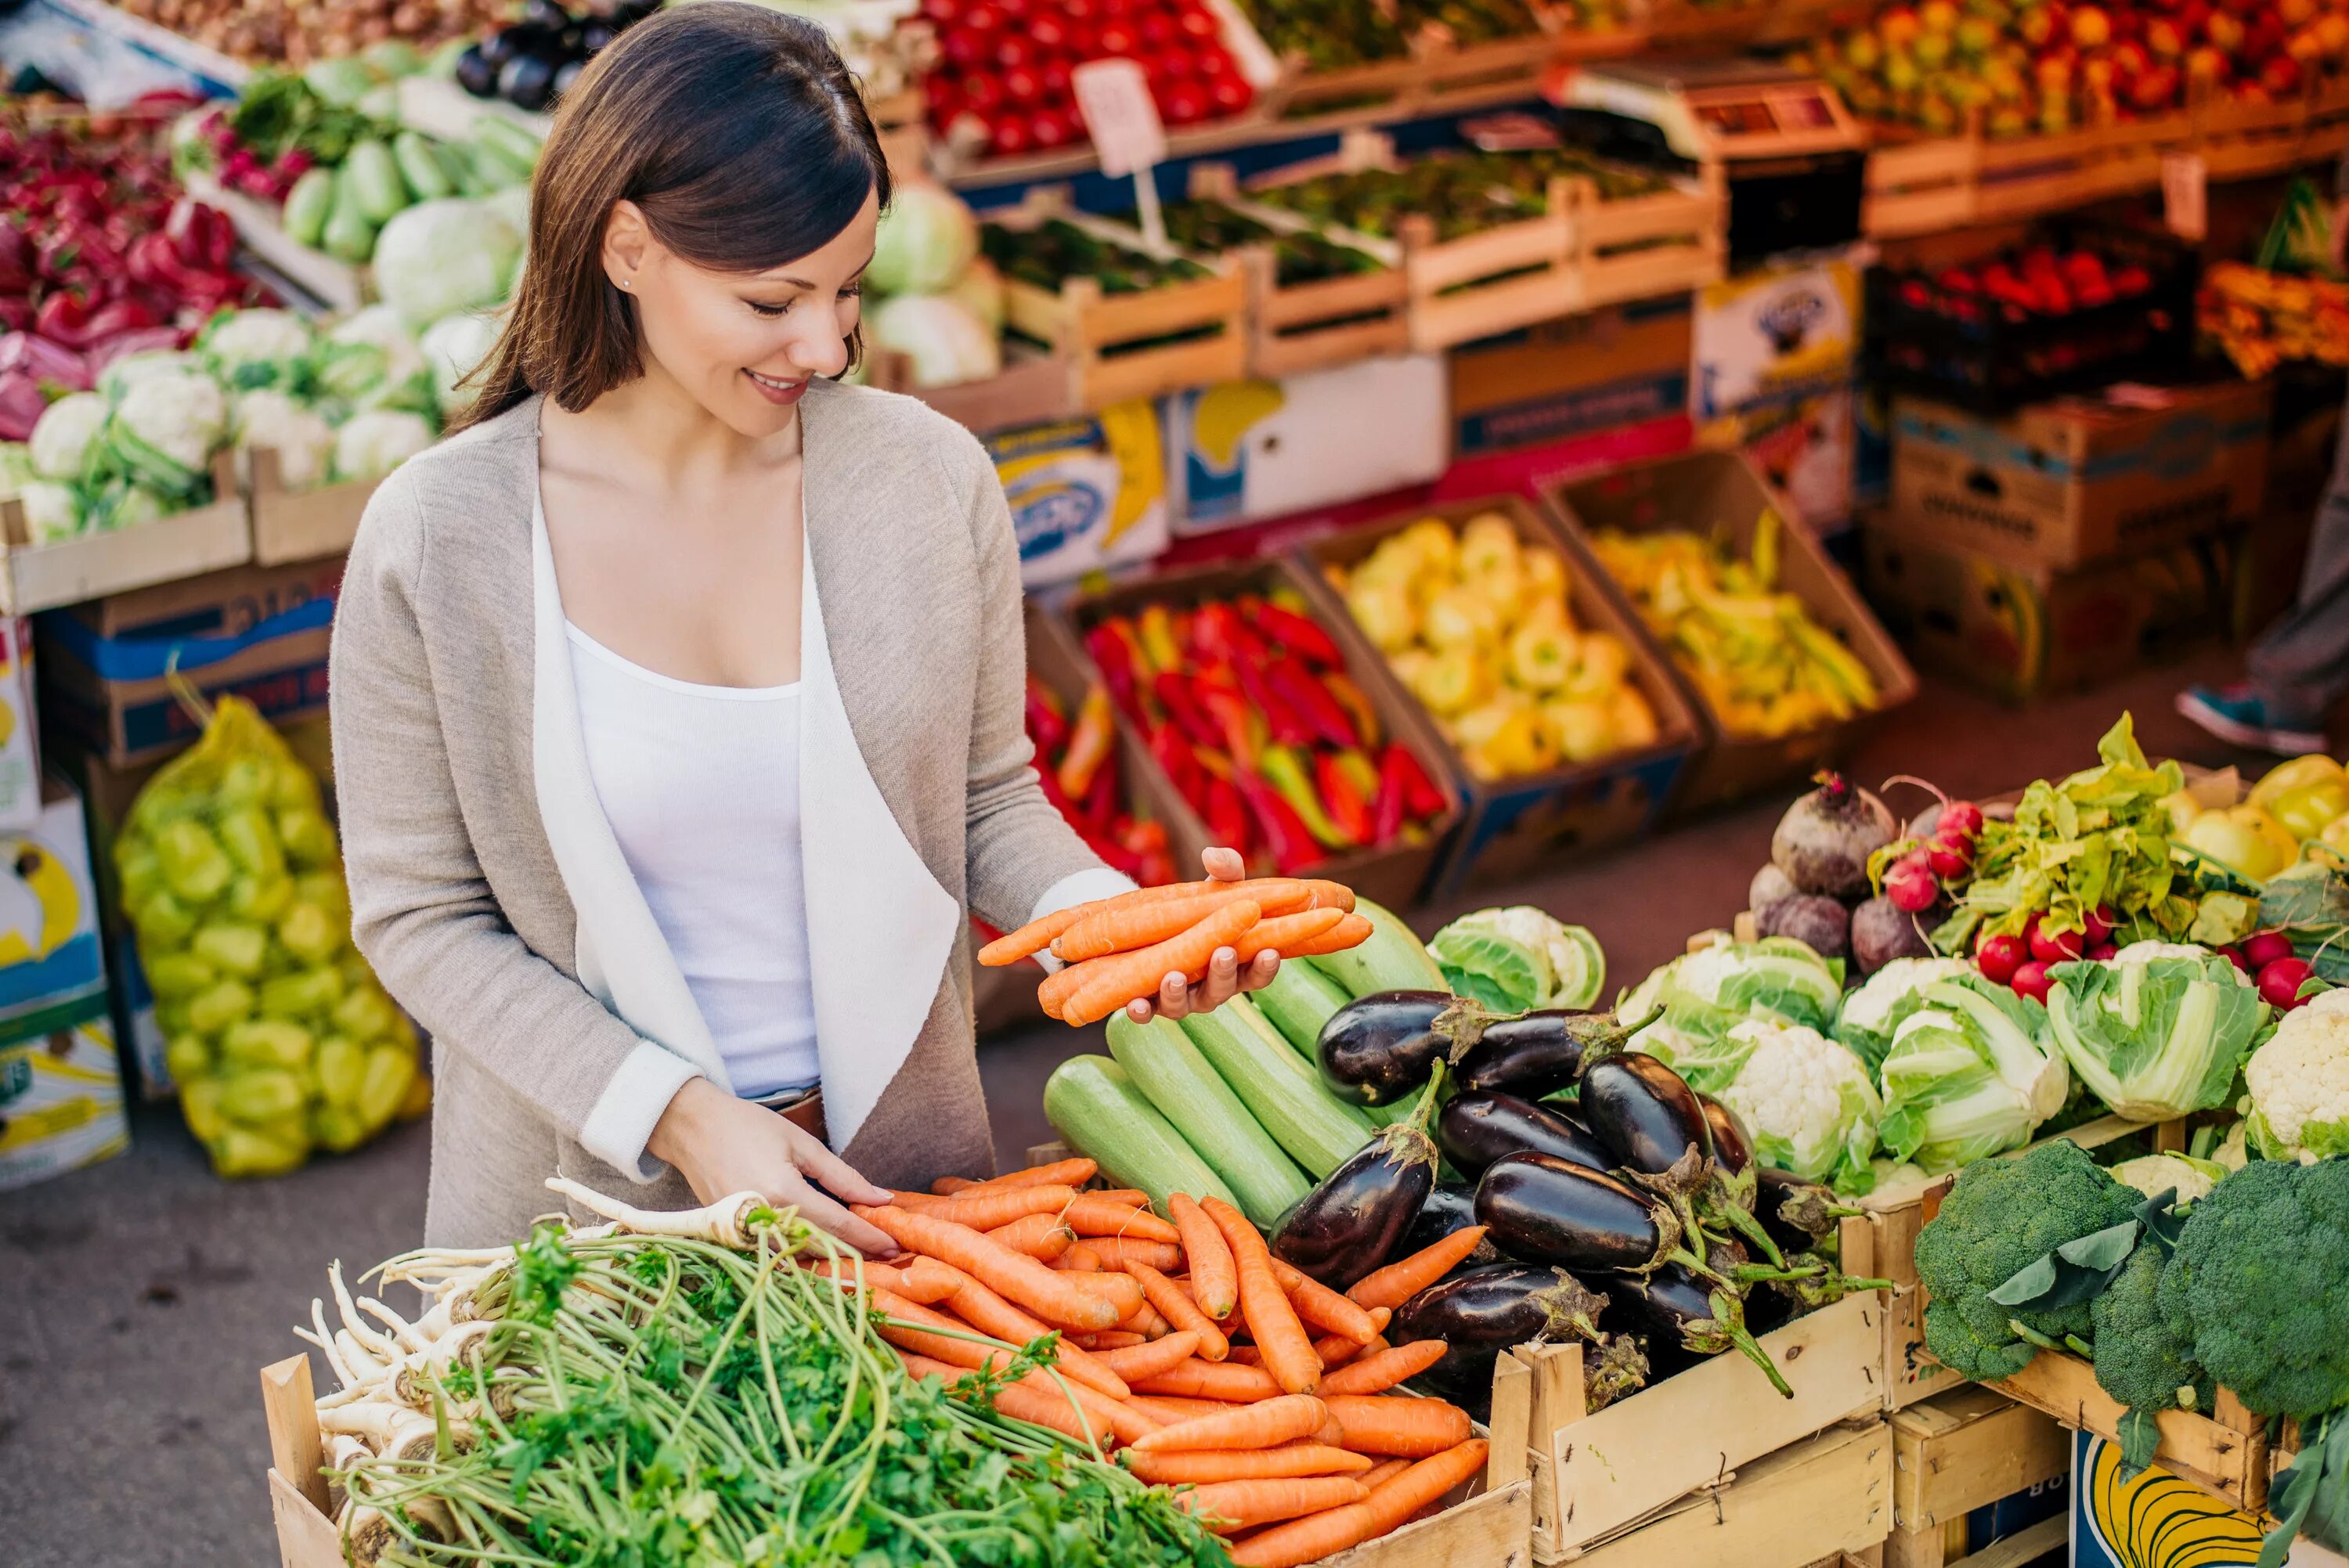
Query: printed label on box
1803	447
2156	1518
1774	332
49	946
20	767
1243	451
60	1094
1085	493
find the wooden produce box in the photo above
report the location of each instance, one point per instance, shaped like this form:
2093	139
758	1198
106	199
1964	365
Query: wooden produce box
1594	1475
1033	387
1111	342
1394	875
1298	327
341	286
1959	1451
302	525
89	565
1511	824
1439	77
1707	491
2225	1452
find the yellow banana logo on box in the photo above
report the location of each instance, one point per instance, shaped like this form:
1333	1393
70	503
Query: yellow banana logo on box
52	887
2160	1521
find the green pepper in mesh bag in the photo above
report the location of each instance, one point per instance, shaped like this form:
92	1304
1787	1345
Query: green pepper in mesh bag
280	1037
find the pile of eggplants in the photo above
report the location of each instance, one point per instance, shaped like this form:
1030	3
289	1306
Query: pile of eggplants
1605	1185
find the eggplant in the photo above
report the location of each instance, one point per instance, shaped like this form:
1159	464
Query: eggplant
1545	1209
546	13
1449	1207
1797	1214
567	78
1485	1125
1694	1313
1351	1223
1643	1111
527	81
522	38
1733	1146
1540	1053
1381	1048
1482	1313
475	73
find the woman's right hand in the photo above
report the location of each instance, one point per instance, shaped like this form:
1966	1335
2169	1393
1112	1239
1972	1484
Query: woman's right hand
723	1145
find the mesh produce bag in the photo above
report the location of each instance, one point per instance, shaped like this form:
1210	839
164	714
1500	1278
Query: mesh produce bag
277	1030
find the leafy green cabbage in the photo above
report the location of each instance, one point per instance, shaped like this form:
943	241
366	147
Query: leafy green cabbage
1706	995
1967	1075
2159	1031
1518	958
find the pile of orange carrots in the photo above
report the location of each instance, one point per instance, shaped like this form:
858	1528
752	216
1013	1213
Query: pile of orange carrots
1119	950
1186	1350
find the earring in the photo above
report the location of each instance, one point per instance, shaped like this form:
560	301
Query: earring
623	283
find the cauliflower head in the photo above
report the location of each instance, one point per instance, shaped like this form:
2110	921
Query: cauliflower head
64	434
2299	1080
1866	1021
177	413
2154	1174
300	436
1806	1101
371	444
249	348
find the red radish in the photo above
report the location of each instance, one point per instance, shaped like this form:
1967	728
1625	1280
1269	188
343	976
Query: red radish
1964	817
2031	981
2056	946
1999	957
2281	981
1911	886
2263	948
2099	923
1950	857
2101	951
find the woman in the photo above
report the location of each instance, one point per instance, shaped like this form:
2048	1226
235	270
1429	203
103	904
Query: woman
677	700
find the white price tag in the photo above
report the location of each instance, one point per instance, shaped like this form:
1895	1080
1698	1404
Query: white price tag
1113	96
2185	194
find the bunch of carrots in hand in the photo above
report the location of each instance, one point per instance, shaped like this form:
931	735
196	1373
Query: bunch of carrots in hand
1264	1400
1118	950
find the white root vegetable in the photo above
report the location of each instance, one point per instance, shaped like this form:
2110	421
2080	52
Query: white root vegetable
364	1367
391	1431
410	1381
401	1329
369	1532
343	1451
380	1346
319	1335
724	1222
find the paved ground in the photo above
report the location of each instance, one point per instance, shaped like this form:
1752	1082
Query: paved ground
138	1298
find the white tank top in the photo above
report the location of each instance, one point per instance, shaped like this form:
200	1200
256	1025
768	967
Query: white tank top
700	785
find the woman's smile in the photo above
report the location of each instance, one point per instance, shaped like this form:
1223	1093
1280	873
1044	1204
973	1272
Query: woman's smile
777	391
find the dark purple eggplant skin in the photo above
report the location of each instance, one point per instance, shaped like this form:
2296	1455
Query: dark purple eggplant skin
1544	1210
1378	1048
1478	1315
1479	1126
1772	1187
1766	1308
1643	1111
1661	1305
1450	1207
1733	1146
1528	1055
1351	1223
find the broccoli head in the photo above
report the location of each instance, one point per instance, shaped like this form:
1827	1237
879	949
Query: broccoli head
2002	1216
2143	1359
2256	1280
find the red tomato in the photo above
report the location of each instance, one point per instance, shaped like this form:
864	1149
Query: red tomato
1055	74
1015	10
1022	87
939	92
1079	12
1197	23
1229	93
1118	38
1015	51
1999	957
942	13
1049	32
1186	103
982	18
983	92
2281	981
1157	29
1165	69
1053	128
964	51
2031	981
2263	948
1008	135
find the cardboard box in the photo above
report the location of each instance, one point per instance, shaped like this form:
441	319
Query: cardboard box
60	1092
1710	491
1086	493
2020	632
20	731
1246	451
1572	376
229	601
1776	333
1509	825
2071	481
1804	445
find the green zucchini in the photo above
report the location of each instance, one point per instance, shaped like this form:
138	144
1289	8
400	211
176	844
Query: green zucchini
1299	1000
1392	959
1170	1071
1319	1130
1092	1104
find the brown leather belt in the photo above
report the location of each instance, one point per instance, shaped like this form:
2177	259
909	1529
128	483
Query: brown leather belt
803	1109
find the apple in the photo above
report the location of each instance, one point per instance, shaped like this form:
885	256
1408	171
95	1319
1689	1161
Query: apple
1931	49
2333	29
2206	64
2305	47
2281	76
2053	73
2007	121
2091	27
2165	38
2042	23
2295	13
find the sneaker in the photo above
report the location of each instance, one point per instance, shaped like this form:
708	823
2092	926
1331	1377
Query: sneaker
2238	714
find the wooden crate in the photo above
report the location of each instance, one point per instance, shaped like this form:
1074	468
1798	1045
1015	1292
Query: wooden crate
1298	327
1108	339
1438	77
1595	1474
91	565
1640	247
341	286
301	525
1032	388
1959	1451
2225	1452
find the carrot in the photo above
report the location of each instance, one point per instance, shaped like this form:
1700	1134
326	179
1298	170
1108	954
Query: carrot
1244	1464
1214	1280
1152	1356
990	1314
1376	1374
1057	1300
1109	1339
1286	933
1121	927
1147	1322
1389	1424
1407	1277
1038	934
1115	1251
1079	1258
917	1279
1040	1236
1169	1407
1016	1400
1246	1356
1389	1504
1258	1426
989	1209
1272	1322
1070	1172
1090	1215
1119	979
1331	1434
948	1186
1212	1380
1350	932
1036	1397
1322	1307
1336	1349
1053	992
1386	1470
1227	1506
1179	1309
1132	1197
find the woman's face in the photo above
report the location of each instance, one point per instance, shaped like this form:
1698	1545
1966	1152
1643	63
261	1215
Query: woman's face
744	346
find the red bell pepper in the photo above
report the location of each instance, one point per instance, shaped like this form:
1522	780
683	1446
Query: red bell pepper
1288	837
1227	815
1099	804
1310	701
1090	743
1240	727
1421	797
1111	645
1176	693
1217	633
1048	726
1342	800
1296	633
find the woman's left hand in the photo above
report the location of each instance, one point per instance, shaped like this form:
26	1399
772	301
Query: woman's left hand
1225	979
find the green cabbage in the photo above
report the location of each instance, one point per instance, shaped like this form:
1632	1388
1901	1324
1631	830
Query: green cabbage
1967	1075
2159	1031
925	239
438	258
1705	995
1866	1020
1518	958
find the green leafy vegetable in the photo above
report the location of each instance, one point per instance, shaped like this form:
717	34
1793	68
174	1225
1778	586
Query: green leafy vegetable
2158	1032
1518	958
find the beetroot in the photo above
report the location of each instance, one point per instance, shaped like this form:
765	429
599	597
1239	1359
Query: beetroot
1881	931
1819	922
1769	885
1825	838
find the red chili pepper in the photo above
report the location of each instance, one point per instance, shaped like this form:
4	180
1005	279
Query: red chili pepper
1297	634
1287	726
1099	804
1421	797
1175	758
1176	694
1090	742
1048	726
63	318
1311	701
1341	685
1349	809
1241	726
1217	635
1291	842
1111	646
1393	798
1227	816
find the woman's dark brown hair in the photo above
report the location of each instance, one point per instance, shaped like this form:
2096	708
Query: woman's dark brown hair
739	132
